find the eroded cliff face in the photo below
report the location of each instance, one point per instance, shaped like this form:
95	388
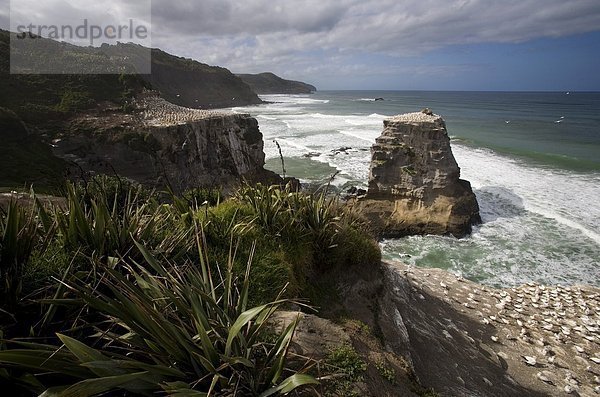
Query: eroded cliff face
414	182
161	143
465	339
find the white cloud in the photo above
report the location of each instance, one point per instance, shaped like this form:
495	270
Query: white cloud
255	34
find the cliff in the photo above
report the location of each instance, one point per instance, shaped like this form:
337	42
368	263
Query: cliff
163	143
414	182
269	83
82	115
465	339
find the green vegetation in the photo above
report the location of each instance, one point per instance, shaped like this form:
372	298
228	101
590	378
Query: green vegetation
345	361
169	328
25	158
269	83
386	372
18	235
43	100
137	292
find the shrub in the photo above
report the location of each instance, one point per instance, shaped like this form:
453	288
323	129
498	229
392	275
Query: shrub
115	190
199	196
344	359
72	101
18	237
386	372
182	330
102	226
270	206
314	233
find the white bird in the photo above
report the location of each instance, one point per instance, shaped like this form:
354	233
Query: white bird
545	376
529	360
558	121
507	121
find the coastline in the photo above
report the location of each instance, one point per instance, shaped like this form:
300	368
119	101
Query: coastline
537	220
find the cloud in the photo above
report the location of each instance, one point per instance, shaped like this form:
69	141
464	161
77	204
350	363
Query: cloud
254	34
50	16
391	26
218	17
297	36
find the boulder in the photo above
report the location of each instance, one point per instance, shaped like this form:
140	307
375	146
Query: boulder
414	182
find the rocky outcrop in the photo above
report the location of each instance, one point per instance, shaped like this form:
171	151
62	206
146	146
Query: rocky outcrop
163	143
414	183
465	339
269	83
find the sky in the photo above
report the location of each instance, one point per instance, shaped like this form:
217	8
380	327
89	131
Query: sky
373	44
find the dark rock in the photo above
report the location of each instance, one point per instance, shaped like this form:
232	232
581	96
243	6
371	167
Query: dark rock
311	154
343	149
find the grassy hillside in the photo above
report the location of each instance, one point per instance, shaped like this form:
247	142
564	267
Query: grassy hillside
182	81
193	84
269	83
40	100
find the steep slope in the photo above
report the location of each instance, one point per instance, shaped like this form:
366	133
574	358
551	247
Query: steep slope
193	84
269	83
184	82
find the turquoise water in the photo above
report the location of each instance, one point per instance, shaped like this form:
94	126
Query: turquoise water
533	160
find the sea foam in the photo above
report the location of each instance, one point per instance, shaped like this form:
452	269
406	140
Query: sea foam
540	224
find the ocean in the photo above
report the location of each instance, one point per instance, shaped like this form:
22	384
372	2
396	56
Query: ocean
533	159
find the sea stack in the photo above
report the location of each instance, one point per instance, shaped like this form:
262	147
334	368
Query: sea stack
414	183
